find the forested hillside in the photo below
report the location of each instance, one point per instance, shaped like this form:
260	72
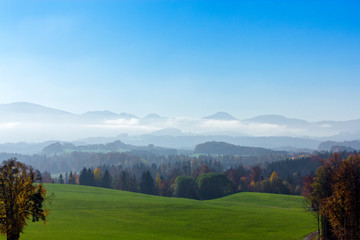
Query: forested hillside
224	148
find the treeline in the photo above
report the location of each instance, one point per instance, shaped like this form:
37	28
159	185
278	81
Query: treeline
198	178
117	146
75	161
334	195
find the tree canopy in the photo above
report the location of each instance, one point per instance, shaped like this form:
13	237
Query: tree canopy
213	185
186	187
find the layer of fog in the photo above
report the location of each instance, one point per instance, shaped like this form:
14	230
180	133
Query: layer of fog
36	131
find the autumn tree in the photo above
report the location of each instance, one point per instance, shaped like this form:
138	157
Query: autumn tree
235	176
20	198
343	206
157	182
322	189
98	175
164	189
204	169
256	174
72	178
76	178
46	177
335	197
277	185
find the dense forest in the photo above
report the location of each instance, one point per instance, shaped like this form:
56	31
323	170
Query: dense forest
184	176
213	170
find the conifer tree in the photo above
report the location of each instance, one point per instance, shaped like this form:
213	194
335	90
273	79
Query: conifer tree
147	183
106	180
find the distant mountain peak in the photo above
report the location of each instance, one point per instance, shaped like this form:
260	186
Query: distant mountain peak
153	116
221	116
127	115
26	107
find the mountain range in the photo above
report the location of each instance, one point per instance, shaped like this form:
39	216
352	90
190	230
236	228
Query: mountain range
28	122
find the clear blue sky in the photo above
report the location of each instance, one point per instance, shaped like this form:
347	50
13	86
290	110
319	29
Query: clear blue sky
300	59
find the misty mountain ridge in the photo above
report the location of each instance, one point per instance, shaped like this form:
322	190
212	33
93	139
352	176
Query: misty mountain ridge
30	108
221	116
153	116
29	122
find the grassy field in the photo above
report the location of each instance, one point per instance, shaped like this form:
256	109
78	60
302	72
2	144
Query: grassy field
79	212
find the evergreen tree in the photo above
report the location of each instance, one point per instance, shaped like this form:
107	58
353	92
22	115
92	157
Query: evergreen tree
147	183
83	178
106	180
91	178
61	179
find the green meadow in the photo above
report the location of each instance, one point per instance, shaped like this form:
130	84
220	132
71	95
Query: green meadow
80	212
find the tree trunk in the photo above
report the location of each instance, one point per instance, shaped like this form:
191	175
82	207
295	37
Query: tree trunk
13	236
318	223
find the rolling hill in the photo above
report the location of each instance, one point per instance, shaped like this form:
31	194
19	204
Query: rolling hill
80	212
224	148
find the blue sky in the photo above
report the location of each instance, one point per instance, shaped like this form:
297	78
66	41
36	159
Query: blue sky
300	59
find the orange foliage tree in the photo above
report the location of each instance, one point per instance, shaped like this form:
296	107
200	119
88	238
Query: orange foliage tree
343	206
335	197
98	175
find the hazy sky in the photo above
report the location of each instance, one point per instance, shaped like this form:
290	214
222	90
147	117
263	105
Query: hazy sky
300	59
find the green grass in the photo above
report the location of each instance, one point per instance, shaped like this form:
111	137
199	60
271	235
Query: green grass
79	212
